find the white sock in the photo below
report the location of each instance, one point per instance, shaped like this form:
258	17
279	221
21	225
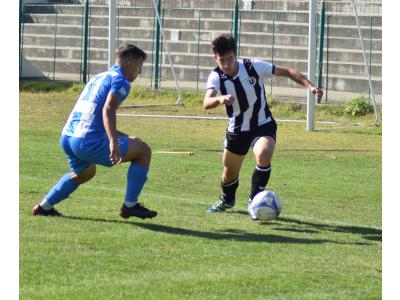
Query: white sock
46	205
129	204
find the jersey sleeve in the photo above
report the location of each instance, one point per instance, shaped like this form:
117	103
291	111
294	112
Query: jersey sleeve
121	88
213	81
264	68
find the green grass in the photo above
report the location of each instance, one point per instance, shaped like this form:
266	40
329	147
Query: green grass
325	245
193	103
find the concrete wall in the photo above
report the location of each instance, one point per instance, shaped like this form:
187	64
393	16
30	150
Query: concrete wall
56	51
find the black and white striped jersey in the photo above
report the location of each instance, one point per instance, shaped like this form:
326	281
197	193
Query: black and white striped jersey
250	110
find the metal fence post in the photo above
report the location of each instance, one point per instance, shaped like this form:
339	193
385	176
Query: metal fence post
239	30
321	47
55	46
156	57
112	15
21	30
370	56
198	49
235	23
273	48
327	60
117	40
160	66
85	43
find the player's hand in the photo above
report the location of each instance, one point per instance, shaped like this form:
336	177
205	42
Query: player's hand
226	99
317	92
115	153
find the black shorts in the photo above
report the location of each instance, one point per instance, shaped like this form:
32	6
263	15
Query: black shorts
239	143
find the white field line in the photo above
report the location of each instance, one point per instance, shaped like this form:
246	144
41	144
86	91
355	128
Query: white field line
211	118
206	203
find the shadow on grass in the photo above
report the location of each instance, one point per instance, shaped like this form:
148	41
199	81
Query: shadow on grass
300	226
234	235
369	233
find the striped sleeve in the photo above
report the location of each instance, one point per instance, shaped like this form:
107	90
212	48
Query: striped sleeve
213	81
264	68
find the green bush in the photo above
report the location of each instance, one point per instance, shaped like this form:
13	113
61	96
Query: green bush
76	87
358	107
40	86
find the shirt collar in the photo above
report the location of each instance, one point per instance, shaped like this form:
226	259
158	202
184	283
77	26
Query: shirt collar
118	69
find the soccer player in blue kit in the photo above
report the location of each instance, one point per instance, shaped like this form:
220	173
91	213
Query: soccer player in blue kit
240	83
90	137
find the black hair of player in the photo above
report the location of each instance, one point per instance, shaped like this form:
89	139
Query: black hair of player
129	51
224	44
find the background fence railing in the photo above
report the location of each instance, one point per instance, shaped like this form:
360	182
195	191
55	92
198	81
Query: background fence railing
52	41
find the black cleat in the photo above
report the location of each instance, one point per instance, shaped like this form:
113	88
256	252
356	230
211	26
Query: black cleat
37	210
136	211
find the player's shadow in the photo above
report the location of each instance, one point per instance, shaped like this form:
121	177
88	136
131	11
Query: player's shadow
368	233
300	226
234	235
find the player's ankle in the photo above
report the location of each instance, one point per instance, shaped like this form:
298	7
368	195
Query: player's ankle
46	205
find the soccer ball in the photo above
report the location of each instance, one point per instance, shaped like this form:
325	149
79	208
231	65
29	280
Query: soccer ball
266	206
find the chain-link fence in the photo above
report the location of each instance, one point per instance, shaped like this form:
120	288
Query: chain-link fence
70	41
344	71
52	41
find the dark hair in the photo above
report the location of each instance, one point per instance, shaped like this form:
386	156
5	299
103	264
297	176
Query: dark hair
129	51
224	44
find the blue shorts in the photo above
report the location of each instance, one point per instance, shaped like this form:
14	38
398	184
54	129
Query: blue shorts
83	152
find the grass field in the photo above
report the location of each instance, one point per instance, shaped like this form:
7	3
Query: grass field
325	245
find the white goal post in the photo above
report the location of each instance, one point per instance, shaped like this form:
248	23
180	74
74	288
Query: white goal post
312	47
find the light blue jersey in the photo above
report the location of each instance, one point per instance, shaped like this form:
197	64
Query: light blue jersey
86	119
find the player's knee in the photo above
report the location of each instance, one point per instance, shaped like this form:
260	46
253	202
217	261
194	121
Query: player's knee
91	173
263	155
264	158
85	176
146	150
141	153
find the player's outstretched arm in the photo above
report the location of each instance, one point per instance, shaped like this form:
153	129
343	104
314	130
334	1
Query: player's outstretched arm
211	100
300	78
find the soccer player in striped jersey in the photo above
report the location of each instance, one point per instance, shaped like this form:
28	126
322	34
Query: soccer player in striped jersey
90	137
239	85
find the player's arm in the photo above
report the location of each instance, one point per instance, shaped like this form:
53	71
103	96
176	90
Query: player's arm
298	77
110	125
211	100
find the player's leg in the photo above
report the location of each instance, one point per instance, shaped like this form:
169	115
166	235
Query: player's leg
229	181
85	175
263	150
138	153
263	146
236	147
230	176
82	171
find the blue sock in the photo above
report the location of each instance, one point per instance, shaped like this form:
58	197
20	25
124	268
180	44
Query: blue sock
137	177
64	187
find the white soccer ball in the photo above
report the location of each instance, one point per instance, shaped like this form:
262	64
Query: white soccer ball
266	206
